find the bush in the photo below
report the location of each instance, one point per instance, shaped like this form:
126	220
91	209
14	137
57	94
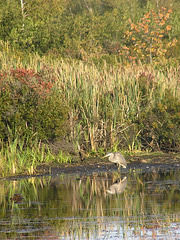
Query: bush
29	103
160	125
148	40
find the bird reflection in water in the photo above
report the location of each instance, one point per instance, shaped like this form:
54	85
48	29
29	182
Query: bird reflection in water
118	187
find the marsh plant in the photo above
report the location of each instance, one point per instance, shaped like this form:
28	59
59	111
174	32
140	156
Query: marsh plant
120	93
109	107
22	154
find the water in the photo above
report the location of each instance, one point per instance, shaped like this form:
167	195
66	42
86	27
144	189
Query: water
134	205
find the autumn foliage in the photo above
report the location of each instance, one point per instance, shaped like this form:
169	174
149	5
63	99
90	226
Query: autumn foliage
108	67
93	30
148	39
29	104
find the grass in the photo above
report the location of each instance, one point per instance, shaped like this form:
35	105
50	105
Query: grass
104	104
109	100
18	156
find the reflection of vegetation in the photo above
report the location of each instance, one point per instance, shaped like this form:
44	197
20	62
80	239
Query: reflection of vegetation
75	206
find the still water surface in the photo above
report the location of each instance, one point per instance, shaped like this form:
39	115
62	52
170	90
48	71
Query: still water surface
105	205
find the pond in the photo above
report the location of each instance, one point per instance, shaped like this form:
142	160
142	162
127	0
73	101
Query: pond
104	205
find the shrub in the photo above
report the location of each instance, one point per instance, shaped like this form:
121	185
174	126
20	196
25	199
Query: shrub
160	125
30	103
148	40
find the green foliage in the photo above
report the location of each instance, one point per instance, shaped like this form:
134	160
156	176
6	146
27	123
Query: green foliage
92	30
112	102
23	153
104	104
63	158
30	104
10	21
159	125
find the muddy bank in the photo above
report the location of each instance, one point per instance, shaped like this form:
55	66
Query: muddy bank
142	163
146	163
92	169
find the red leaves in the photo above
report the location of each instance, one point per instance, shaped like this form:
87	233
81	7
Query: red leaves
23	85
34	81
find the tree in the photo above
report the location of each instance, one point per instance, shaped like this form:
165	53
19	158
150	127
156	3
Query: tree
148	40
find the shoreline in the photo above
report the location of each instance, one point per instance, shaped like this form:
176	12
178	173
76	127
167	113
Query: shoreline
159	162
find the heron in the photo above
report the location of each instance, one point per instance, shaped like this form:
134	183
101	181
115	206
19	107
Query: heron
118	187
118	158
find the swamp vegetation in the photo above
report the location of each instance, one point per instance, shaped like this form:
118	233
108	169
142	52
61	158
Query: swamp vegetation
103	75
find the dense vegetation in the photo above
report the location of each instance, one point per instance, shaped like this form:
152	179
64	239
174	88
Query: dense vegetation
101	29
103	73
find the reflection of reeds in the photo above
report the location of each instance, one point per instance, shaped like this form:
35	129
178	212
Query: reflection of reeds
80	206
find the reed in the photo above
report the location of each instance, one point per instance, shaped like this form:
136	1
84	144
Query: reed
109	100
22	155
104	101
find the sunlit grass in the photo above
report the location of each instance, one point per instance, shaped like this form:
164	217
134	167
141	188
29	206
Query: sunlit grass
103	101
108	100
18	157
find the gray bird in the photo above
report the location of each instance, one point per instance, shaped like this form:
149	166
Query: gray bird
117	158
118	187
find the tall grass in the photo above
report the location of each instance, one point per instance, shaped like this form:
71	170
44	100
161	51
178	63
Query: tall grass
108	100
22	155
104	100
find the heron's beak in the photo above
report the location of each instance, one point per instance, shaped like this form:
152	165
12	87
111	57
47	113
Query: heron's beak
107	155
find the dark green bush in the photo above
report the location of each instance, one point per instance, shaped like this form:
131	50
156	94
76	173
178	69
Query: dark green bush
160	125
30	104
